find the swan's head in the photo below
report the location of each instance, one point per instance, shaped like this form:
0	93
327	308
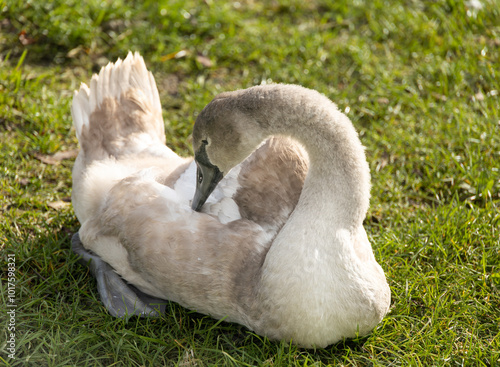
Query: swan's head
224	135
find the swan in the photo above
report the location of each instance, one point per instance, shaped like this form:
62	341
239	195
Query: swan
264	227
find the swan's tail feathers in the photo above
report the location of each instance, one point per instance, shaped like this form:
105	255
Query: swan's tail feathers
120	113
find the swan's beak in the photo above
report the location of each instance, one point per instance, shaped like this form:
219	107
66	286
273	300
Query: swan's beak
207	178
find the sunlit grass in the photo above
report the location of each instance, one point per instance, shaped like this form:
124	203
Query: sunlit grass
418	79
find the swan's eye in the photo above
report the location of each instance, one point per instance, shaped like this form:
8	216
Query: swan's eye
200	177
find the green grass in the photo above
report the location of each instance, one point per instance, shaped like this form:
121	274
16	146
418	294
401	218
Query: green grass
420	81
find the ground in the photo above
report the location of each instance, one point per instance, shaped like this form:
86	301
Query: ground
419	80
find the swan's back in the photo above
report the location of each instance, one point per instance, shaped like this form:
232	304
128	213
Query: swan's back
152	238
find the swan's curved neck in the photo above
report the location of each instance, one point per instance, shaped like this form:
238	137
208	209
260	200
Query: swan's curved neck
309	268
337	187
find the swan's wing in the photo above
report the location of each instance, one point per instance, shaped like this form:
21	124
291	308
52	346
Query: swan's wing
270	183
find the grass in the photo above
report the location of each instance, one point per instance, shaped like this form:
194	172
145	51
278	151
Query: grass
419	80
